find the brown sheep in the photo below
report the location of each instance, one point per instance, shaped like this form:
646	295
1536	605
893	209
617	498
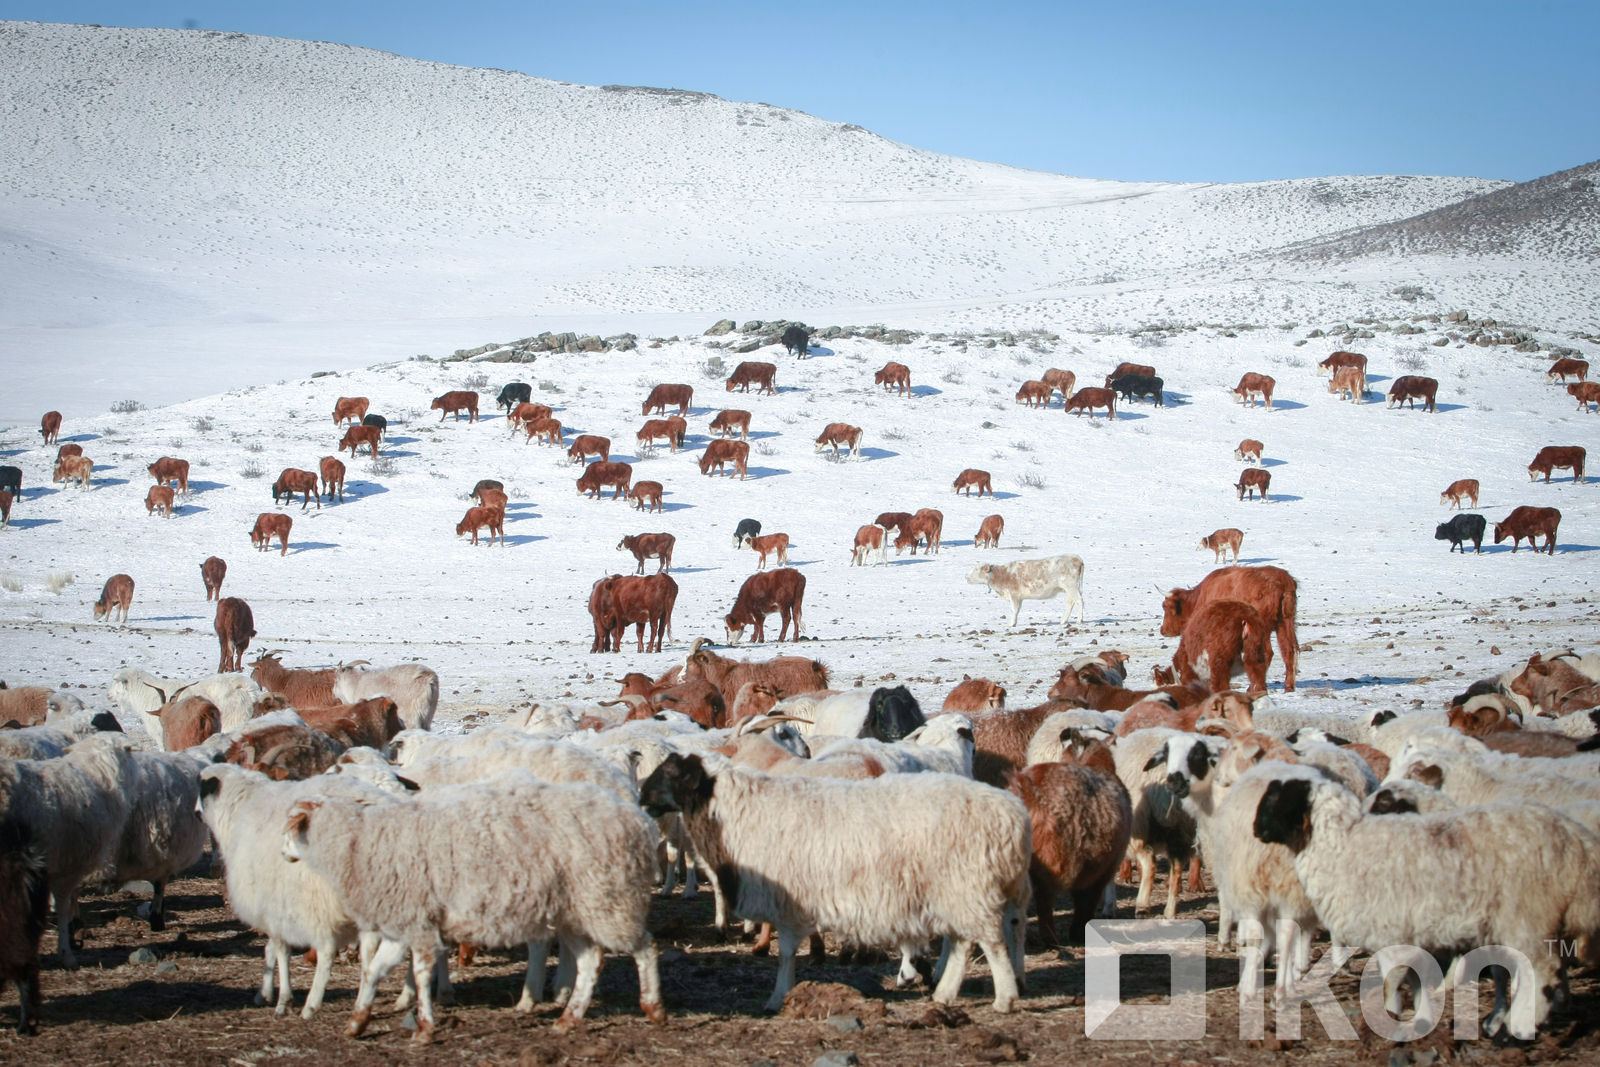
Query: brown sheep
972	695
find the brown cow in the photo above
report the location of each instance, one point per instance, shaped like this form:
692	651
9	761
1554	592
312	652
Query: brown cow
1409	388
526	412
1270	590
1529	522
293	481
761	594
74	467
1252	479
269	525
1223	638
1343	359
680	430
1460	489
350	409
1089	398
973	477
616	601
1349	382
356	436
840	433
1558	457
596	475
1060	380
455	402
547	430
159	498
646	495
588	444
1034	394
167	469
5	507
766	544
731	419
988	535
1219	541
645	439
331	470
869	539
720	452
479	517
492	498
644	546
1586	393
1249	450
1253	384
928	525
665	396
486	483
896	376
212	571
1130	368
50	426
1578	368
115	596
891	520
749	373
72	448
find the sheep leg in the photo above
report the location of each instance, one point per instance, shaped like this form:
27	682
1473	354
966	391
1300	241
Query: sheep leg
953	962
1147	877
326	950
1252	950
1085	903
268	962
1014	924
998	953
691	879
446	994
1197	881
566	964
588	956
1044	902
1175	866
158	908
66	907
788	941
533	982
422	968
763	943
285	994
907	975
667	861
384	960
1286	943
648	962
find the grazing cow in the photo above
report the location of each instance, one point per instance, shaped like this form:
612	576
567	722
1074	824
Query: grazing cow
1249	450
158	498
350	409
116	595
927	525
477	518
893	520
896	376
1252	479
1586	393
269	525
1219	541
796	341
645	439
1034	394
212	571
1461	488
1060	380
376	421
763	593
455	402
525	413
512	394
751	373
731	419
1225	638
235	626
1578	368
840	433
1462	528
988	535
746	528
1270	590
1349	382
293	481
597	475
356	436
1529	522
1130	368
646	495
50	426
1128	386
486	483
646	546
1409	388
1343	359
588	444
1034	579
74	467
1088	398
973	477
5	507
767	544
1558	457
11	479
680	430
331	470
547	430
869	539
720	452
616	601
72	448
167	469
665	396
1252	385
493	498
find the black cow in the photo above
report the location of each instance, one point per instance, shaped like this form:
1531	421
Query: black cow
892	714
11	478
746	528
1131	385
376	420
1459	529
513	394
797	341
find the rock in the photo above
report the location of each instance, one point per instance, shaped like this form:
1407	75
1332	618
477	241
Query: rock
836	1058
722	326
1441	342
1456	316
1315	333
845	1024
141	955
748	346
410	1021
166	967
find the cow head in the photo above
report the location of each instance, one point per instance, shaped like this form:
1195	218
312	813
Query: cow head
1175	609
978	575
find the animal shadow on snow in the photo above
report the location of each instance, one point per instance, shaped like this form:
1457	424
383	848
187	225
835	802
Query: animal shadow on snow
819	350
1174	399
763	472
1273	462
1002	494
914	559
1252	559
1362	682
1286	405
1275	498
1504	548
395	453
168	618
26	524
107	481
878	453
1449	407
675	505
360	490
183	511
7	453
692	570
297	547
925	390
520	539
396	439
1129	415
202	487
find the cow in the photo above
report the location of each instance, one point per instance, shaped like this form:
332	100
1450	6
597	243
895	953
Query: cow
70	467
927	527
350	409
1089	398
1060	380
1529	522
1351	382
988	535
1128	386
1409	388
1343	359
455	402
869	539
5	507
746	528
731	419
1460	529
645	546
751	373
1253	384
616	601
588	444
477	518
896	376
668	395
1272	591
764	592
1034	579
293	481
115	596
892	520
167	469
50	426
839	433
1252	479
235	625
768	544
270	524
680	429
796	341
1130	368
486	483
493	498
646	495
973	477
645	439
1578	368
331	470
525	413
1034	394
1249	450
212	571
1558	457
356	436
1586	393
1461	488
604	473
1226	637
512	394
71	448
547	430
380	423
11	478
158	498
720	452
1219	541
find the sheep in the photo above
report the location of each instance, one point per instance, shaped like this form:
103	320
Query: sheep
943	744
29	705
162	837
141	694
284	751
24	895
1443	882
77	805
1466	780
895	860
302	688
413	687
1052	734
973	695
569	859
883	713
1342	764
1161	823
53	740
1281	720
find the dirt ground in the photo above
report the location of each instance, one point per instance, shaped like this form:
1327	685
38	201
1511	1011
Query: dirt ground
113	1011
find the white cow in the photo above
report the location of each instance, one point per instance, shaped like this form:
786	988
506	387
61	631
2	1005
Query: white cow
1034	579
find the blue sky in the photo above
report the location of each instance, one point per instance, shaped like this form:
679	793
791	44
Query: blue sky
1225	91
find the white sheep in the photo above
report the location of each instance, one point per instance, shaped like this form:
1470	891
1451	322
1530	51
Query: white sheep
1468	780
942	745
162	836
1048	739
53	739
413	688
1342	764
1161	823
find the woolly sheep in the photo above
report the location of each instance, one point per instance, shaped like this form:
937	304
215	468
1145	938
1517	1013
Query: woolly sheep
162	836
24	895
413	687
1045	747
943	744
1467	781
1161	822
53	741
1342	764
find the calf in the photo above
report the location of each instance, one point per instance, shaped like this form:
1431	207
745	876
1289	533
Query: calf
892	520
1349	382
512	394
5	507
350	409
1224	638
1060	380
116	595
158	498
377	422
1089	398
71	448
588	444
896	376
80	468
50	426
1130	368
646	546
1460	489
782	591
293	481
356	436
1249	451
1252	385
768	544
665	396
869	539
840	433
493	498
1034	394
1219	541
1578	368
479	517
1034	579
1460	529
1586	393
680	430
731	419
1343	359
645	439
167	469
1272	591
646	496
722	451
746	528
973	477
235	626
1129	386
927	525
988	535
525	413
749	373
1558	457
486	483
455	402
597	475
331	471
1252	479
796	341
1529	522
212	571
268	525
547	430
1409	388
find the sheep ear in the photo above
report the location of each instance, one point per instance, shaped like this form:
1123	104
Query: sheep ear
210	785
962	731
1335	739
1158	759
410	786
1429	774
1383	717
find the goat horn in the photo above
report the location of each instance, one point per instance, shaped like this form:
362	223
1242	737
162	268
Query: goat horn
633	700
357	663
